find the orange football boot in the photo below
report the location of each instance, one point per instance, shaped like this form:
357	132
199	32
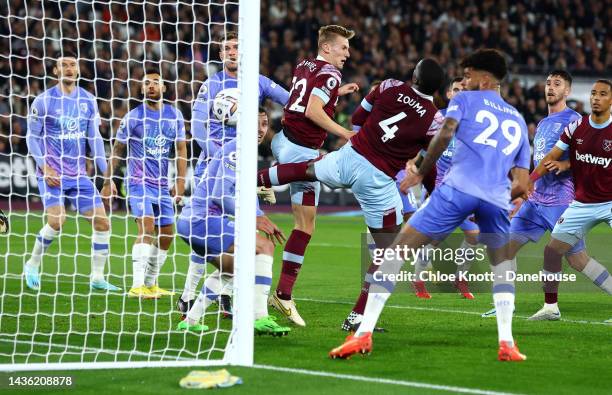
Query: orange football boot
509	353
353	345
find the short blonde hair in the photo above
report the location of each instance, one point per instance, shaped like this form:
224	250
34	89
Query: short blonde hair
328	33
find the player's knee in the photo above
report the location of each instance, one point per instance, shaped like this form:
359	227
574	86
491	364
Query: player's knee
56	221
264	246
310	171
101	224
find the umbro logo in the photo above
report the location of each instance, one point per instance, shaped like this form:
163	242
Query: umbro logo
579	141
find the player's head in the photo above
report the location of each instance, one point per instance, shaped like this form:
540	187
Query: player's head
153	87
558	86
483	69
601	97
66	67
263	125
428	76
454	87
334	44
229	51
375	84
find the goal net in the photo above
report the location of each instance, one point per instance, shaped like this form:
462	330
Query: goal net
54	312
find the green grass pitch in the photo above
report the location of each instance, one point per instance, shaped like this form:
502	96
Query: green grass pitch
437	342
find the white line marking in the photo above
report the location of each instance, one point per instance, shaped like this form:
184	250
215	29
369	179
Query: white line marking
413	384
441	310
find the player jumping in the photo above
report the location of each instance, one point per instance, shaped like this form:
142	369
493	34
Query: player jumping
64	121
150	132
307	120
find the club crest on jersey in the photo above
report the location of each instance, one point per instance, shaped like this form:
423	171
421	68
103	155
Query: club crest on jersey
607	145
540	144
83	107
331	83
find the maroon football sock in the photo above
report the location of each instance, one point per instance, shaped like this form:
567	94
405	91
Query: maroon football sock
283	174
293	256
552	265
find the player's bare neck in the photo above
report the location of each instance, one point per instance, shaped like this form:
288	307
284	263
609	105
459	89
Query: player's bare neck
601	118
154	105
557	107
67	87
230	73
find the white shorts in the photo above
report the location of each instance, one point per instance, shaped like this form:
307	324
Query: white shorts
374	190
579	218
304	193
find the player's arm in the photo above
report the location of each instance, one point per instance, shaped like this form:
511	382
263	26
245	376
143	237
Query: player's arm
34	141
94	139
274	91
224	176
181	170
363	110
200	116
520	182
553	156
109	189
315	112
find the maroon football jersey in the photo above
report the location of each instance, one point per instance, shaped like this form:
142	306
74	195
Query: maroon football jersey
315	77
590	153
402	122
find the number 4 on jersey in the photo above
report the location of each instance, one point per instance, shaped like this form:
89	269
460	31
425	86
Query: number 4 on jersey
388	128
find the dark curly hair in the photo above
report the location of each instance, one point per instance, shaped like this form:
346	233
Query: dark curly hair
489	60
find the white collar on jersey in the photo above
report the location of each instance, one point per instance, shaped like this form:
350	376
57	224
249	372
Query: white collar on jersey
319	57
600	125
430	98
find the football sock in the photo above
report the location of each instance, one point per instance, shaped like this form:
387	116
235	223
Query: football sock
263	281
552	265
503	297
140	253
293	257
423	261
599	275
467	265
43	240
197	267
209	293
283	174
156	259
99	254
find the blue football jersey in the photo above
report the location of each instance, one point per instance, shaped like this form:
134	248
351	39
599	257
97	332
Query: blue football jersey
490	140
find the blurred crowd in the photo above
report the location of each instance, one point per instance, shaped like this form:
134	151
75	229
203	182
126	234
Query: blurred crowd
115	38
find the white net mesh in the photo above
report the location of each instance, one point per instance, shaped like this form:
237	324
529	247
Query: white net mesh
115	42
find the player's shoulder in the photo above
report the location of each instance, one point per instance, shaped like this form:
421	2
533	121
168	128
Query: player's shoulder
390	83
85	94
326	68
174	111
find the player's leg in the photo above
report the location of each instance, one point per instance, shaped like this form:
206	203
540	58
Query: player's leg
591	268
87	200
445	211
53	202
494	225
469	243
265	324
158	251
193	232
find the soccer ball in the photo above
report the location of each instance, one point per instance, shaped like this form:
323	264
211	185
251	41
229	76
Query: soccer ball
225	106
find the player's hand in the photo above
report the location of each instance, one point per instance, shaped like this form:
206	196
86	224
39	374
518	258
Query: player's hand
178	190
557	166
109	190
348	89
348	134
517	203
51	177
267	194
272	231
412	177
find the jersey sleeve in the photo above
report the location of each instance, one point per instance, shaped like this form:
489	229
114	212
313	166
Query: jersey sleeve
360	115
568	133
123	132
326	83
94	139
224	189
181	135
201	114
457	107
271	90
523	156
435	126
34	140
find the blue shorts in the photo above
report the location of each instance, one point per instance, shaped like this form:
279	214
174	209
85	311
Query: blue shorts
579	218
208	237
447	208
409	202
533	220
304	193
149	201
374	190
80	192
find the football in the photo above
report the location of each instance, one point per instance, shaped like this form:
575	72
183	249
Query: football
225	106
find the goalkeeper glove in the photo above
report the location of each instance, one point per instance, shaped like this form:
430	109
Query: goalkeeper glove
267	194
4	223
